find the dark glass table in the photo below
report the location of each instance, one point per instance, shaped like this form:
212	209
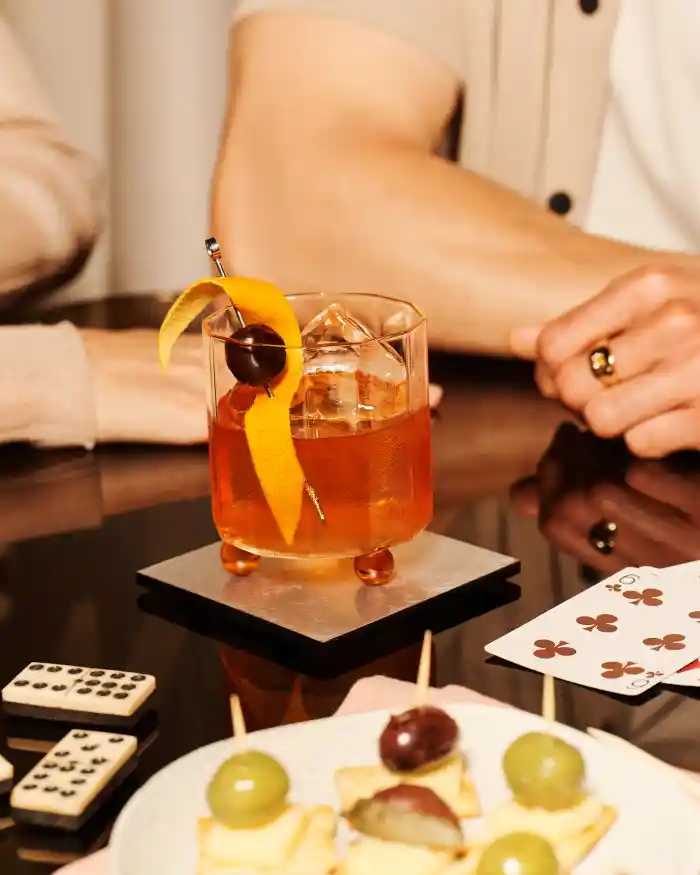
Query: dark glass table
512	474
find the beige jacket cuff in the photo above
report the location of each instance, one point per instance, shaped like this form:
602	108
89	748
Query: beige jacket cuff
46	395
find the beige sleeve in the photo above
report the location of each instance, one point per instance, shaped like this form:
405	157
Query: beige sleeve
46	393
432	26
50	193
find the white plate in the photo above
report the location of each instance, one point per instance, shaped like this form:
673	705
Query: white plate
657	830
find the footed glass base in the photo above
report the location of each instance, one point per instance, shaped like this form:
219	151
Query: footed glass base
374	569
237	561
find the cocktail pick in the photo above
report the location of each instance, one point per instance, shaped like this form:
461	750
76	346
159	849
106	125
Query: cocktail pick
548	701
237	720
423	680
214	252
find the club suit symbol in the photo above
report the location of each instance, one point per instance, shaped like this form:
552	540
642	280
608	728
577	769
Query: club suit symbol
613	670
667	642
649	597
546	649
600	623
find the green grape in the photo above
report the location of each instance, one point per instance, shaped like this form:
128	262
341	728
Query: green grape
248	790
543	771
519	853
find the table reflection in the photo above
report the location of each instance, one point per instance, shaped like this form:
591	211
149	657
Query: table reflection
598	504
44	494
272	695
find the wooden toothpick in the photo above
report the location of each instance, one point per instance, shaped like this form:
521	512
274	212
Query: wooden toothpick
548	700
423	681
237	720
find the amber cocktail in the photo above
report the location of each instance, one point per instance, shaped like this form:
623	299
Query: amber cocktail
360	427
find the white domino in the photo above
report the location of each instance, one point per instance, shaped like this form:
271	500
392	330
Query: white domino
64	788
7	774
64	692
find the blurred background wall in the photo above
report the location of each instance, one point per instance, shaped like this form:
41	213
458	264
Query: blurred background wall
140	84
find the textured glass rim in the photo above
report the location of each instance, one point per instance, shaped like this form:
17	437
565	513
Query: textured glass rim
387	338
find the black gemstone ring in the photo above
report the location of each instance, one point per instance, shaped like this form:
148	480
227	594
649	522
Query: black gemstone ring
602	362
602	537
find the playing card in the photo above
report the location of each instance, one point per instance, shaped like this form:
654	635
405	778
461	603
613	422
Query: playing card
623	635
687	575
687	570
688	676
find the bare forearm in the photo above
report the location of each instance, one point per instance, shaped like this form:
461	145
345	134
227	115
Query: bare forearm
478	259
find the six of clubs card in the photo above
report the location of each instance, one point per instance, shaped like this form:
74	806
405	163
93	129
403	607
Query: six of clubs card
623	635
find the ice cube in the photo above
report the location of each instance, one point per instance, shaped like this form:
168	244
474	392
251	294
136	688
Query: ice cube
327	333
350	376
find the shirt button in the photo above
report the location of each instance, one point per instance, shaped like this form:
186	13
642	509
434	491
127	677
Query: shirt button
588	7
560	202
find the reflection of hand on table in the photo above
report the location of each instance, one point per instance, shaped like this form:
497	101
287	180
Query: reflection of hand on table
137	478
48	493
648	513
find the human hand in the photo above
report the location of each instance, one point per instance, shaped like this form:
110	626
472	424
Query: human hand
651	318
135	401
609	511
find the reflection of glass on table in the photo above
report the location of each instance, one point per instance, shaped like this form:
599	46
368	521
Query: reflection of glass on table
360	427
272	695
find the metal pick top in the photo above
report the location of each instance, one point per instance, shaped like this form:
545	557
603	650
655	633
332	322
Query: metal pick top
214	252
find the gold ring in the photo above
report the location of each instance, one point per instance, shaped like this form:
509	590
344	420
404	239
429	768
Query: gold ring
602	361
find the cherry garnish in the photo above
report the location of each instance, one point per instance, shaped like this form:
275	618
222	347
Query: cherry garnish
256	354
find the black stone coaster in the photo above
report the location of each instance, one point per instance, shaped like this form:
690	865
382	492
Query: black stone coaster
320	605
